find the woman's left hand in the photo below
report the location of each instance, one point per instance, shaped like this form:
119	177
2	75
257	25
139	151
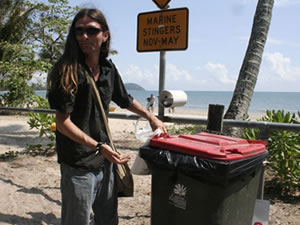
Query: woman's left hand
156	123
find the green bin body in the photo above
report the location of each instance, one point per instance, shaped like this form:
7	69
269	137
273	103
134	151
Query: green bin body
178	199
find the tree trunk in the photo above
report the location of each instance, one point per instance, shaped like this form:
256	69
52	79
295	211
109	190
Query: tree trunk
238	108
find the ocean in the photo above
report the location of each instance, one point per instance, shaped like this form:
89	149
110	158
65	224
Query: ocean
261	101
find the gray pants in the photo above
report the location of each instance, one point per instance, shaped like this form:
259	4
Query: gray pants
83	191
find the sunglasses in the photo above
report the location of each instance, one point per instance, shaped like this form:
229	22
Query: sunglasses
89	31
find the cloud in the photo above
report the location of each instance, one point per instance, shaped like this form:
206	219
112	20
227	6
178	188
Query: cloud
279	65
208	77
145	78
274	41
276	2
220	72
149	78
283	43
176	74
271	41
277	73
286	2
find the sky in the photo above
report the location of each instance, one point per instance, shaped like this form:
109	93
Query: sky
218	34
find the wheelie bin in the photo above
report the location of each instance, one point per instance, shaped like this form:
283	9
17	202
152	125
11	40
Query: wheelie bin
203	179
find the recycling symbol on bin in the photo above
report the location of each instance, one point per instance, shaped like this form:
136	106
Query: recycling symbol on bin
180	190
178	197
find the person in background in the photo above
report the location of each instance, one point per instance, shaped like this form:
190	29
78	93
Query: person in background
151	102
83	150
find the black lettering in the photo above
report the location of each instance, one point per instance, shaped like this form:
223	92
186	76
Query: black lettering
155	31
172	29
166	29
151	41
178	29
175	39
161	30
164	41
161	19
169	19
149	21
146	42
174	18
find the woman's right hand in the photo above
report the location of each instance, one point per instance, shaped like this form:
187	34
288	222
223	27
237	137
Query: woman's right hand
112	156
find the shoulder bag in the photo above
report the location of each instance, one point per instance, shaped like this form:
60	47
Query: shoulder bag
123	175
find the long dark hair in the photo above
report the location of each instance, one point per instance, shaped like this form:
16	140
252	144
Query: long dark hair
65	69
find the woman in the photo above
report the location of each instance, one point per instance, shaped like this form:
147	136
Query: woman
85	156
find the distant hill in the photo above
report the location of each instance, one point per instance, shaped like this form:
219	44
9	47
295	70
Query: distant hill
133	86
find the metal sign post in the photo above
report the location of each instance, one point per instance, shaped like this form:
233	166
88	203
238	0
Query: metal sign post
162	70
162	76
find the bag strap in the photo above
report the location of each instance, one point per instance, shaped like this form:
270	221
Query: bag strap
97	97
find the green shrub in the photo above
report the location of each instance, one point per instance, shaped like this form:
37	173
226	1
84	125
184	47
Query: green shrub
284	150
44	122
185	129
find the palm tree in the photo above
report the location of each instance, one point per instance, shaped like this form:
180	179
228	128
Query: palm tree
14	18
238	108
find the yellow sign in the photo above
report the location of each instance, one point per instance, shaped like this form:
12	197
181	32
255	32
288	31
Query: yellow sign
163	30
161	3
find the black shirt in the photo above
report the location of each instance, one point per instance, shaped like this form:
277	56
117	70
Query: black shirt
85	114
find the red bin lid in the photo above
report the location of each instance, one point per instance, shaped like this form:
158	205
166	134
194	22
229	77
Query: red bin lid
210	146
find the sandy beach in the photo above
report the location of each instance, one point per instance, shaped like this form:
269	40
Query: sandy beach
29	184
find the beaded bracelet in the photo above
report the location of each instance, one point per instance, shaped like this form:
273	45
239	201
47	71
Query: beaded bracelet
98	147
